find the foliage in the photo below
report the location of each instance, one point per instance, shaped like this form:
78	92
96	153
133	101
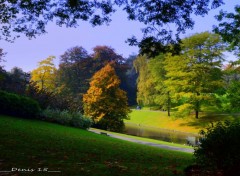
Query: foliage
162	96
104	101
130	81
77	67
45	74
75	119
223	102
102	55
234	95
73	76
17	105
145	83
16	81
42	96
2	54
31	17
196	73
231	79
219	148
229	28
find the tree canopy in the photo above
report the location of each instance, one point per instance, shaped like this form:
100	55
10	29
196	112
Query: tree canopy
196	73
31	17
45	74
229	28
104	101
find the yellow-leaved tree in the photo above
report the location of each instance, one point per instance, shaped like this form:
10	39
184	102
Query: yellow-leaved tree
44	76
105	102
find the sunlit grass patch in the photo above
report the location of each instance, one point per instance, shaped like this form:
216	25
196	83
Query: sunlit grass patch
188	124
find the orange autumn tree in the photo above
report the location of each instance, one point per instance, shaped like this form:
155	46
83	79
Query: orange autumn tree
105	102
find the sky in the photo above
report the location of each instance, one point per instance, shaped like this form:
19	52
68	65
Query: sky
25	53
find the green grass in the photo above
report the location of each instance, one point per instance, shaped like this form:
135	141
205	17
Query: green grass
188	124
37	144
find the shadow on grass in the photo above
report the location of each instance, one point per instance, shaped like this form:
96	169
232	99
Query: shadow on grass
207	119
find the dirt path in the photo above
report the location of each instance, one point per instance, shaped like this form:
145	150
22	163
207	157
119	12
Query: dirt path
188	150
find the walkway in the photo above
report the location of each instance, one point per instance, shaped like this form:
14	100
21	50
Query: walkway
188	150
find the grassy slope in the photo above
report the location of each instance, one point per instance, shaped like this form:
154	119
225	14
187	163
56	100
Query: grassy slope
36	144
161	120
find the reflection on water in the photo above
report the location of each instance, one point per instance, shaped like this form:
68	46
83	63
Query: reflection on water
161	134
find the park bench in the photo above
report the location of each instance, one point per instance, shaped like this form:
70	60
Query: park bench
104	133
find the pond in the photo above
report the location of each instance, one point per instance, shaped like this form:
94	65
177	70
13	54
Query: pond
161	134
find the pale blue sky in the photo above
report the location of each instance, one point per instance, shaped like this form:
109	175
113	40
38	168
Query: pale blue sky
25	53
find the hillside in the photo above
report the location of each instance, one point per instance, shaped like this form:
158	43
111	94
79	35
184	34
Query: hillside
28	144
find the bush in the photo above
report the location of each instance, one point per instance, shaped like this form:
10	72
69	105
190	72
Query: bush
17	105
219	148
75	119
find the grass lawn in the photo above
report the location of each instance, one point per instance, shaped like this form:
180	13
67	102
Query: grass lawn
30	144
189	124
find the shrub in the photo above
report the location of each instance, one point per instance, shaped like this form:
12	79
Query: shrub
219	148
17	105
75	119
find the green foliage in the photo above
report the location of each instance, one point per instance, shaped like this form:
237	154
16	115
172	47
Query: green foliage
196	74
42	96
234	95
14	81
17	105
157	14
162	94
219	148
75	119
145	83
228	28
184	110
223	102
31	18
131	81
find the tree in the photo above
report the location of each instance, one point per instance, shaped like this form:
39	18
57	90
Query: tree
229	28
2	54
74	73
162	96
31	17
18	81
131	81
232	83
45	74
2	71
196	73
105	102
145	84
158	14
102	55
